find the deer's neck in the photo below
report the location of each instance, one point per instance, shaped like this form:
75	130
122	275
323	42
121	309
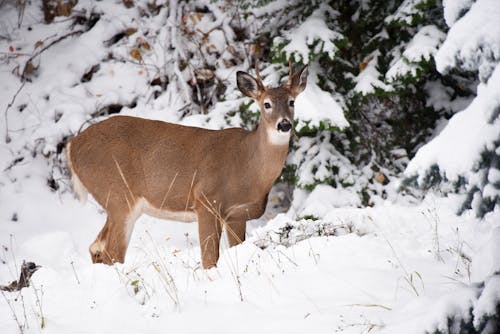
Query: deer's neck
267	156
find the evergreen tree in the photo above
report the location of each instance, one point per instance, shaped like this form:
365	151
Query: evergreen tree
376	60
465	156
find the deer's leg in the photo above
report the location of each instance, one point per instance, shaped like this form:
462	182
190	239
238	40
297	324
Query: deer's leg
209	229
111	243
236	232
109	247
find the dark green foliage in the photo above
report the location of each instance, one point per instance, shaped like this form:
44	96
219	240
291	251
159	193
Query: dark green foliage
397	118
249	118
477	198
390	120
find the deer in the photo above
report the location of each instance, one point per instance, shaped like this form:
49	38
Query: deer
219	178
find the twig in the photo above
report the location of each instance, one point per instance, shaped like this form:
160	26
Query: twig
16	319
39	52
40	305
74	271
371	305
7	137
163	273
21	6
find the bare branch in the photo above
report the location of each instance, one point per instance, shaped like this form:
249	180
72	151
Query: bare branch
7	137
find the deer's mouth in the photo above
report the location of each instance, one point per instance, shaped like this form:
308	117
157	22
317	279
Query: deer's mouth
280	133
284	125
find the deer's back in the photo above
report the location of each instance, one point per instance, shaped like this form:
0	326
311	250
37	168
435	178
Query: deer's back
150	158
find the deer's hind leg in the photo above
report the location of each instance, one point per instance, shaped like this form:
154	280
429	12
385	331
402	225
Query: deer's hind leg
111	243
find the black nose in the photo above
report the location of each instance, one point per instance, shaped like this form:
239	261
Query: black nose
284	125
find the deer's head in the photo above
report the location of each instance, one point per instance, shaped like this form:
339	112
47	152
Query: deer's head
276	104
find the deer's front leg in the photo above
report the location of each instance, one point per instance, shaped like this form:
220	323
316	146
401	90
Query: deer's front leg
236	232
209	230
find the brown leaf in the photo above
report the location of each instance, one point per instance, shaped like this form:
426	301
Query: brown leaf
232	50
142	43
29	69
136	54
256	49
64	9
130	31
38	44
204	74
128	3
156	82
381	178
365	62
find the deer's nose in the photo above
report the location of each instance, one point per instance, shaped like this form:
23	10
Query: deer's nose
284	125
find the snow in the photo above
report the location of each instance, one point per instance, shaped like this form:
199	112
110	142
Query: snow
324	198
317	158
368	79
486	303
299	41
350	280
314	106
271	7
422	46
405	12
325	265
457	148
473	41
439	98
453	9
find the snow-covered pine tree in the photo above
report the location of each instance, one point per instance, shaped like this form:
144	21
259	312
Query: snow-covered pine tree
374	62
466	154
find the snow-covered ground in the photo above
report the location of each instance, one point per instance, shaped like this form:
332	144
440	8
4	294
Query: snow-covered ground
393	268
323	266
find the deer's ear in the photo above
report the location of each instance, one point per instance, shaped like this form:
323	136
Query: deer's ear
299	81
248	85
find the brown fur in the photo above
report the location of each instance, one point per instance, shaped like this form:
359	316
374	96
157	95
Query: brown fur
133	166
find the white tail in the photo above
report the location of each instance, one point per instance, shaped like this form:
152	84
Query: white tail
221	178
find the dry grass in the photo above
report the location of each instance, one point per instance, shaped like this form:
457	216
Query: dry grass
409	277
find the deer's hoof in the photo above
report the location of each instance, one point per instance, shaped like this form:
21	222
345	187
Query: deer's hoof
98	253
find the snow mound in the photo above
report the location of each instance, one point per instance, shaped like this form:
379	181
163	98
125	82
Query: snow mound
473	42
454	9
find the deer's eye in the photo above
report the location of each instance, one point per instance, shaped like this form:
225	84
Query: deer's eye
267	105
291	103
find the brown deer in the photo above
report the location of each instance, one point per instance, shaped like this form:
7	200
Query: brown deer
221	178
